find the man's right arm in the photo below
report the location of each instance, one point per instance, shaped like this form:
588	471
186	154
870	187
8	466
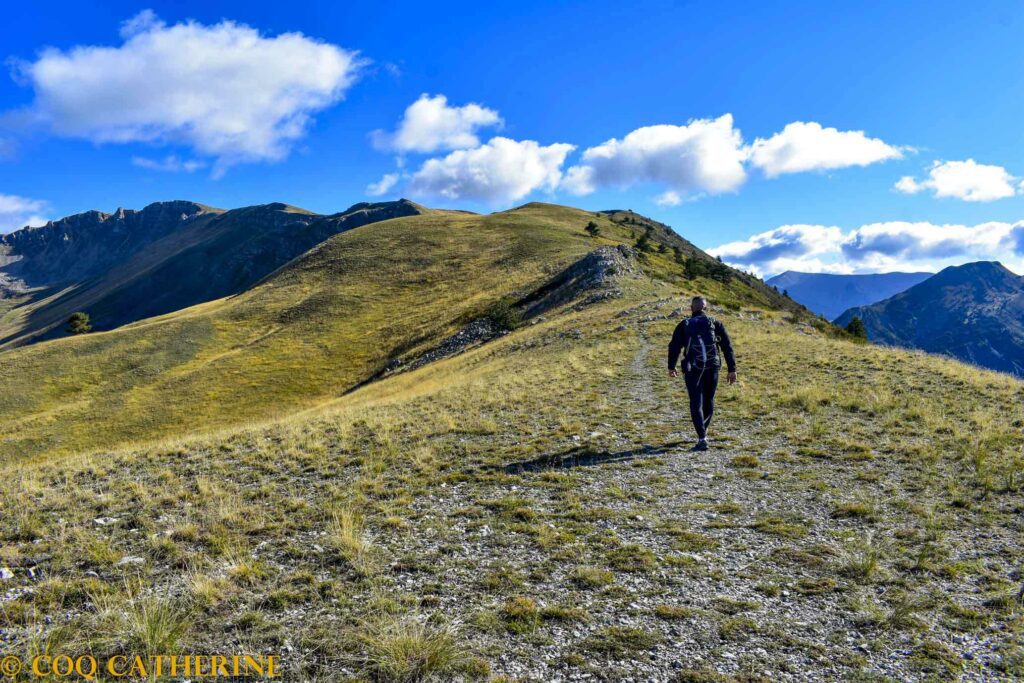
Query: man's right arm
675	347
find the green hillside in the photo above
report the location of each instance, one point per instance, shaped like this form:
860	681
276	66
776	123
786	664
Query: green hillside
132	265
526	509
328	321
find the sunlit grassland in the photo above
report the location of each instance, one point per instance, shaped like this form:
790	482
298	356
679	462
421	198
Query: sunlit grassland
310	332
378	534
298	530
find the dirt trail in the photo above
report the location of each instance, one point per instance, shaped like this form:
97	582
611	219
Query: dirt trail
750	554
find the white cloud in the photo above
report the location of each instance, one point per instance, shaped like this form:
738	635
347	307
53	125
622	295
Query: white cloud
500	171
876	247
807	146
668	198
169	164
17	212
921	241
429	125
709	156
224	90
786	244
966	180
382	186
705	155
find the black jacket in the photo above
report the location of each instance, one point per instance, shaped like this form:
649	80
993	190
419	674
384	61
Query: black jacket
680	338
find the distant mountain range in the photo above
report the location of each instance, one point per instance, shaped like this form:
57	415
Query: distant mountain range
130	265
973	312
829	295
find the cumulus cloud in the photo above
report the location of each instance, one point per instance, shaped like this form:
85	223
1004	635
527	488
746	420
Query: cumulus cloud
709	156
705	155
502	170
875	247
17	212
785	244
225	90
382	186
169	164
808	146
430	124
921	241
966	180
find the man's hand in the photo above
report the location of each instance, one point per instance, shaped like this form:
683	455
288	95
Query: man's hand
732	378
673	373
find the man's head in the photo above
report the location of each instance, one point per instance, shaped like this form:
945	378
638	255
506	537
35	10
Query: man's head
698	304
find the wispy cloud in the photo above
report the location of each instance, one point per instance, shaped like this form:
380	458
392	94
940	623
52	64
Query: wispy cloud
384	185
17	212
169	164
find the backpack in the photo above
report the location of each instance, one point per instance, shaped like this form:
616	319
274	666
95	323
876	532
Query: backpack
702	347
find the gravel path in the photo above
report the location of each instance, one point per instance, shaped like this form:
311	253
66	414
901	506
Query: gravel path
730	572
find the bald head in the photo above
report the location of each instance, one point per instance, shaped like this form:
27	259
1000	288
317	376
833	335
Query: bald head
698	304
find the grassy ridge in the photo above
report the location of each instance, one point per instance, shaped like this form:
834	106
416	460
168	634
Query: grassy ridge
317	327
832	534
527	509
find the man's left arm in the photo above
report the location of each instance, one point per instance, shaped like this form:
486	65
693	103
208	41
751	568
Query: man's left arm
726	344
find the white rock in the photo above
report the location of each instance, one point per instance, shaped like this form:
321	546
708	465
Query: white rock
130	559
6	574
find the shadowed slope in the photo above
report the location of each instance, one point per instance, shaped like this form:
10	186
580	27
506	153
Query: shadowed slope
973	312
830	294
133	265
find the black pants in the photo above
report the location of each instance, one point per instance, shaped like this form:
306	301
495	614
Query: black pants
701	385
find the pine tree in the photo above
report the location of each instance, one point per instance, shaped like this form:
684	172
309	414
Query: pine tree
79	323
856	328
593	229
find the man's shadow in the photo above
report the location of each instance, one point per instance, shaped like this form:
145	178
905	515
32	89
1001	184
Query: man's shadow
585	456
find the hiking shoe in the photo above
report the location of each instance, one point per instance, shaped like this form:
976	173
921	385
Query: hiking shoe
702	445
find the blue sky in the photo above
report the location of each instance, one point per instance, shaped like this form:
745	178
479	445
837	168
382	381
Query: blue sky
822	136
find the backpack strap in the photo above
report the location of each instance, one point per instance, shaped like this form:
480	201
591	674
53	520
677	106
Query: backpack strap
711	326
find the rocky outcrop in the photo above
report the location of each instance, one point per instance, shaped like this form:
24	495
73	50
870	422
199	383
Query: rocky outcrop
595	277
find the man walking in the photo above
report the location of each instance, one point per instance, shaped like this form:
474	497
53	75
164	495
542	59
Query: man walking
698	339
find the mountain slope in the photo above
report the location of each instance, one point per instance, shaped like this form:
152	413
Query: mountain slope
528	509
132	265
84	245
830	295
328	321
973	312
